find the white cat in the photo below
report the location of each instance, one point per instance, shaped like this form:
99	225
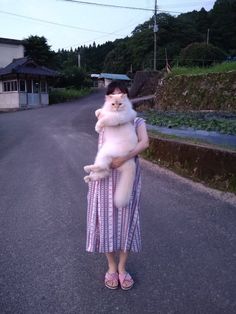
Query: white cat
117	119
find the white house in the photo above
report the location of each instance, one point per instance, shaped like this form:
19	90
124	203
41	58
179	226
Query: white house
23	83
10	49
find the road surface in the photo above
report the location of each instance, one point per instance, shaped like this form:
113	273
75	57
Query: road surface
188	260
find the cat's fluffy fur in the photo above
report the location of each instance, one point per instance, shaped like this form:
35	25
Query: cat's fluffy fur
117	119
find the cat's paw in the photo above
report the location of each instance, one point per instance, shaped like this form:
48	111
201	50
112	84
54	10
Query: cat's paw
98	112
98	127
87	179
87	169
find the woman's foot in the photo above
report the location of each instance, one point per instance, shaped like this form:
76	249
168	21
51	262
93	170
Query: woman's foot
111	280
126	281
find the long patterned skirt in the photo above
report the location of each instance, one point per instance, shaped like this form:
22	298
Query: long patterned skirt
111	229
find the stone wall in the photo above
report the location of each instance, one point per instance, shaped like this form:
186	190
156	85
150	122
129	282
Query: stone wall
214	91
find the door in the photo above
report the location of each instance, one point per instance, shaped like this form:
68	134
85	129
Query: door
33	98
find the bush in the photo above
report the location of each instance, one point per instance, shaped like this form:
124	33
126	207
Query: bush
201	54
63	95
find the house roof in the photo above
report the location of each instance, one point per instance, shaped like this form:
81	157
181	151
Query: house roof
112	76
26	66
10	41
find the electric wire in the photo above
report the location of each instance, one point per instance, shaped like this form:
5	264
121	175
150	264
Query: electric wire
55	23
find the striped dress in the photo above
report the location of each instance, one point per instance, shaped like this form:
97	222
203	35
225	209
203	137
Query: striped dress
111	229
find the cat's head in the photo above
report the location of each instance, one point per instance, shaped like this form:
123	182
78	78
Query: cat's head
116	102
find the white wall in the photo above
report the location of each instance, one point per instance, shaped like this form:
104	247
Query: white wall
23	99
9	100
44	99
107	82
9	52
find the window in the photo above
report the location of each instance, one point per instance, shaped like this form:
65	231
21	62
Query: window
35	86
29	86
43	87
5	87
10	86
13	86
22	86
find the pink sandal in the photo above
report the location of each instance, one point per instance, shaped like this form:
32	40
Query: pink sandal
111	278
126	278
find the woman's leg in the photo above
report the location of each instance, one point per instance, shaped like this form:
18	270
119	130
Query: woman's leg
111	281
112	266
126	281
122	262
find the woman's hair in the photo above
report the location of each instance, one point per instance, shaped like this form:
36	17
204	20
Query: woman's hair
116	84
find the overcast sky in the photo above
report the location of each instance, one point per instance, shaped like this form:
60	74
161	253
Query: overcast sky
90	23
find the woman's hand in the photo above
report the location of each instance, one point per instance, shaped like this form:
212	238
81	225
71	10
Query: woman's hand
117	162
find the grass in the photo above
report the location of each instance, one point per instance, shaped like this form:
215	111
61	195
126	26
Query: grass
222	123
63	95
218	68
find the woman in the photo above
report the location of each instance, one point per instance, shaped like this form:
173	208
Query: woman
110	229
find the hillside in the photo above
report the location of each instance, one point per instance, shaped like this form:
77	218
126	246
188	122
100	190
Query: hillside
175	33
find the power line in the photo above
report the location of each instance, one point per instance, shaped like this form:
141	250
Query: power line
92	40
55	23
120	7
109	5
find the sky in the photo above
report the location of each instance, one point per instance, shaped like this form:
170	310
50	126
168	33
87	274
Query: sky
82	23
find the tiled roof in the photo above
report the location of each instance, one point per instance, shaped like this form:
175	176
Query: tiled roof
112	76
26	66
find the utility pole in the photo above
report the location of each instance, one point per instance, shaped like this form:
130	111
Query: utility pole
155	30
208	33
79	60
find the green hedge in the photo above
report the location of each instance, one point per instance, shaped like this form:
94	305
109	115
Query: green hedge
63	95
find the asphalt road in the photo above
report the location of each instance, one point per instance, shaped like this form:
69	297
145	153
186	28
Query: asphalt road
188	261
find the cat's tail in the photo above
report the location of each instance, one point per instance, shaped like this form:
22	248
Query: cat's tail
125	184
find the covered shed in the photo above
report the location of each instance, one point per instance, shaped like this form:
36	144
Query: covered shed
24	84
106	78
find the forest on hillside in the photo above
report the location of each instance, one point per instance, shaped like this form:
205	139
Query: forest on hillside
136	51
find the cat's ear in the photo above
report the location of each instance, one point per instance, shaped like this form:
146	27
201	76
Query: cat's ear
108	97
124	96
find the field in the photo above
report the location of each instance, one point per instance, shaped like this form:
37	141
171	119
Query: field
210	121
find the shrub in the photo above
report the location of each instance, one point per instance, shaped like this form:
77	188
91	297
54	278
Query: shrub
201	54
63	95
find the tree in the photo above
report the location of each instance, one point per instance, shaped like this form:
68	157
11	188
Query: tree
37	48
201	54
119	59
73	77
223	28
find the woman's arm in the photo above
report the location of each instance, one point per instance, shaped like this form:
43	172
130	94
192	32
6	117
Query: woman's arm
143	143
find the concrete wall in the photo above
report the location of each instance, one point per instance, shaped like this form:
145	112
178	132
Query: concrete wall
9	52
23	99
213	166
44	99
9	100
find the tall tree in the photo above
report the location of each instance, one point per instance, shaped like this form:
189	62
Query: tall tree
37	48
223	28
